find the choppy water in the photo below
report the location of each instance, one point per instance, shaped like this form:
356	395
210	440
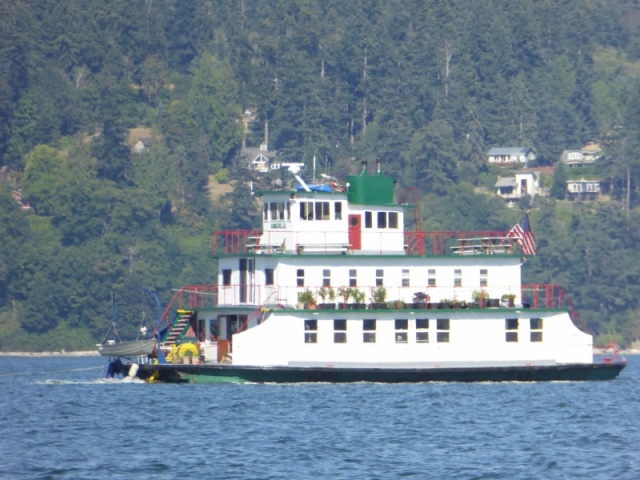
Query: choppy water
60	419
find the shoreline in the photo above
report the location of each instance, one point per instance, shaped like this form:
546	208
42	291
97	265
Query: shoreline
61	353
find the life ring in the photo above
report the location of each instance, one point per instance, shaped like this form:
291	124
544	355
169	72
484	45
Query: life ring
187	349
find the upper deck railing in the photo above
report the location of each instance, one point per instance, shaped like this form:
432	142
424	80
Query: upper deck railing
416	243
206	296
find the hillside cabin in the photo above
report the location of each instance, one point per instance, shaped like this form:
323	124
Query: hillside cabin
511	155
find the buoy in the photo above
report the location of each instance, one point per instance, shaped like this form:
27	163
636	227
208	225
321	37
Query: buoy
133	370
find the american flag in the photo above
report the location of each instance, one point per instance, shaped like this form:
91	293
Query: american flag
524	236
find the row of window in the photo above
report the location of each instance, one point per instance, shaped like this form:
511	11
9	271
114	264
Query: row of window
401	329
320	210
383	219
512	325
406	277
420	332
353	277
308	211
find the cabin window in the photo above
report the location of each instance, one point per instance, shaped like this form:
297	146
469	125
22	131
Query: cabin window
511	327
379	277
300	277
484	274
340	331
273	211
457	278
382	219
353	277
306	210
422	330
268	276
393	219
405	277
322	210
431	277
265	212
226	277
337	210
311	331
442	325
536	329
402	330
368	220
326	277
369	331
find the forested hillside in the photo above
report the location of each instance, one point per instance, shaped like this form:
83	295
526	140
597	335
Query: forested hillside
426	86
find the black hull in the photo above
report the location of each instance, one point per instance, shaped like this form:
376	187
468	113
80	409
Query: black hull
221	373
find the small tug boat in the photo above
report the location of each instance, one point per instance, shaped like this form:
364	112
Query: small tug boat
335	289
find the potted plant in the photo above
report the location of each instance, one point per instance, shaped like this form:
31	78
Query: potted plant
420	300
395	305
379	296
306	299
508	300
358	299
345	293
327	293
446	303
480	297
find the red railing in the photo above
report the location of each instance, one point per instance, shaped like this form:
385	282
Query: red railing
209	296
189	298
551	296
419	243
462	243
229	242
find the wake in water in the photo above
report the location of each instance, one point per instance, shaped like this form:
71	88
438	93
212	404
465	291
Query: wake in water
97	381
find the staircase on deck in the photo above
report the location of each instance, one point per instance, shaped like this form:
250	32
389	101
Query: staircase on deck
178	327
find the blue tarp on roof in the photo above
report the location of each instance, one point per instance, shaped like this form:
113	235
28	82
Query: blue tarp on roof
315	188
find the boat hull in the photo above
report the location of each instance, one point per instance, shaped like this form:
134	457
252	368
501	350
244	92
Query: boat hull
224	373
134	348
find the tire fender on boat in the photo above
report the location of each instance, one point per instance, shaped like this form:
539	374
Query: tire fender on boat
133	371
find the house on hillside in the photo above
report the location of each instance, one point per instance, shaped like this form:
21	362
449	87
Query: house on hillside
587	155
510	155
591	152
260	158
582	189
512	189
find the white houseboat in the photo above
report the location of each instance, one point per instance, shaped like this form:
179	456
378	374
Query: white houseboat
335	289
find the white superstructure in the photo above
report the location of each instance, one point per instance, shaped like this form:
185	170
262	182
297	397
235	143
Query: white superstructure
451	299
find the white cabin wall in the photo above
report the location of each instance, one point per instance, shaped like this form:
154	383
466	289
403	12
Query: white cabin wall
503	276
280	341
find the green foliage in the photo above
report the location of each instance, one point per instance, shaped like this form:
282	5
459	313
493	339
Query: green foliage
426	88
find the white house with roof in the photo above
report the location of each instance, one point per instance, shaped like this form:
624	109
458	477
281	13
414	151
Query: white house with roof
583	189
587	155
512	189
260	157
510	155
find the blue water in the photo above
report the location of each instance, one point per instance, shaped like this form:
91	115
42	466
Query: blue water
60	419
